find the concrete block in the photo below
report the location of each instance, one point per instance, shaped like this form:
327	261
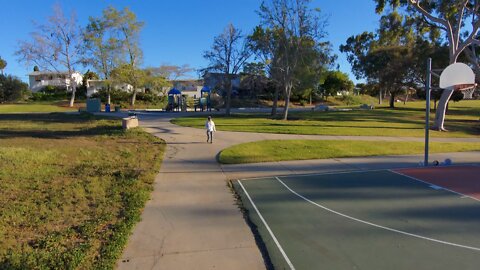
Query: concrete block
129	122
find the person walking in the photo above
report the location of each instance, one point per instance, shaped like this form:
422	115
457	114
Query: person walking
210	126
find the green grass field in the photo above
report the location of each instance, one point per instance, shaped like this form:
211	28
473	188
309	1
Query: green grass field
281	150
404	121
71	189
38	107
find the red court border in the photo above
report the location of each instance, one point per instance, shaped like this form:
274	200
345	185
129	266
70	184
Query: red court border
460	179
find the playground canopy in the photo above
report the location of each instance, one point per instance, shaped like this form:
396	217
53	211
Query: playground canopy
174	91
205	89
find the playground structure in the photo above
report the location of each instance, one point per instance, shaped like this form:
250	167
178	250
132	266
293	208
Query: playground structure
176	101
204	101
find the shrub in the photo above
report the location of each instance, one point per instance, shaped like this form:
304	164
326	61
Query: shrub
49	93
12	89
116	96
354	100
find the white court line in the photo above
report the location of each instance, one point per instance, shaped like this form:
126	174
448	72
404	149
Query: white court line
376	225
430	184
268	228
347	172
319	174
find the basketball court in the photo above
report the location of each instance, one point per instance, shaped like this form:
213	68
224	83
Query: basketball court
420	218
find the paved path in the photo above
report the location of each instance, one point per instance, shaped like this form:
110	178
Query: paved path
192	221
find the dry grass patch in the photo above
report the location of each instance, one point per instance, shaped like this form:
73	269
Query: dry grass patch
71	189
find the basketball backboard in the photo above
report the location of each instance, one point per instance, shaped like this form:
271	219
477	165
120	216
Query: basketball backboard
457	74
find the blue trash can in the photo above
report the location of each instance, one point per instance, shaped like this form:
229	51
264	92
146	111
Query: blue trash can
107	107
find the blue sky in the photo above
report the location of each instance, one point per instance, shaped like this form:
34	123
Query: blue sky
177	32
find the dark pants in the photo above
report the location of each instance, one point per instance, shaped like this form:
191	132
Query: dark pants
210	136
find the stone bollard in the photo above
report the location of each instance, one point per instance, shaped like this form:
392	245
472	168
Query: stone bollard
129	122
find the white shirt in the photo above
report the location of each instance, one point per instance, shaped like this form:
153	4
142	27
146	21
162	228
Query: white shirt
210	125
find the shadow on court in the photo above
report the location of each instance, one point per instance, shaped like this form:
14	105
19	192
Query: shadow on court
402	219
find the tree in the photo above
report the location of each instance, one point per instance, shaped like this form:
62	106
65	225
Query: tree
392	57
449	16
156	83
123	74
127	30
172	72
11	89
3	64
103	47
55	45
228	54
253	79
263	43
336	81
289	32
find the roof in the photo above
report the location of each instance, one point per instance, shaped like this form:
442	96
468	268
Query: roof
50	73
174	91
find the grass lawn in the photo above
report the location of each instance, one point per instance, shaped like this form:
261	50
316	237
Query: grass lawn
36	107
278	150
71	189
404	121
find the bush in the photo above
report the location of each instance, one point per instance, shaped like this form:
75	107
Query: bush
350	100
116	96
12	89
49	93
149	98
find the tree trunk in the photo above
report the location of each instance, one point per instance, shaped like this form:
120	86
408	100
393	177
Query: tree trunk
72	98
288	90
134	96
275	102
380	97
108	95
229	96
392	100
441	109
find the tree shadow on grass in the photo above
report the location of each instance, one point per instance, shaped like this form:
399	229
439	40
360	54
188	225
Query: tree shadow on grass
86	126
47	134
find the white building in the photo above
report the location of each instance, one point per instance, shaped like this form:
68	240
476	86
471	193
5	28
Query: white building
40	79
190	88
93	86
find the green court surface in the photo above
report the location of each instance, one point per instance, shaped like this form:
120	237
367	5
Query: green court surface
366	220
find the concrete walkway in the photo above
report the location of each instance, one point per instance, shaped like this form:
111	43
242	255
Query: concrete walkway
192	220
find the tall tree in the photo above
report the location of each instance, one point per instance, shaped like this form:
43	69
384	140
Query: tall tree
55	45
295	29
227	55
3	64
103	47
458	19
263	43
127	29
394	56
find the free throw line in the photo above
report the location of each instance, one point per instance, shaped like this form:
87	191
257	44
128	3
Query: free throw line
268	228
376	225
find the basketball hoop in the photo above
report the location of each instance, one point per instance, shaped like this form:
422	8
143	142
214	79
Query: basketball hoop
456	77
464	87
459	76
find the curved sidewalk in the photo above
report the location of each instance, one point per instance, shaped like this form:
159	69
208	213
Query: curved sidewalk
192	220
